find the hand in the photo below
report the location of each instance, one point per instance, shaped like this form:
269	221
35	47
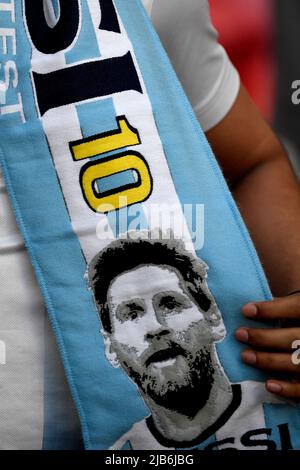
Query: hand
272	349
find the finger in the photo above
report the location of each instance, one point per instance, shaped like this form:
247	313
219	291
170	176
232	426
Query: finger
280	338
284	307
276	362
284	389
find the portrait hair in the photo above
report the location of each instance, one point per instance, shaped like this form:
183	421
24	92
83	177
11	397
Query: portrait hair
123	255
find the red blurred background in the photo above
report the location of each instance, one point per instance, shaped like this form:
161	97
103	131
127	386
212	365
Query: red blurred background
246	30
262	38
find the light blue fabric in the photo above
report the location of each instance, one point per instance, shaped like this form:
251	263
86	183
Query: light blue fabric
106	401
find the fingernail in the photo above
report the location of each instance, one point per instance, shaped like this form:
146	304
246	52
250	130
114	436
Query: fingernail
250	310
249	357
274	387
242	335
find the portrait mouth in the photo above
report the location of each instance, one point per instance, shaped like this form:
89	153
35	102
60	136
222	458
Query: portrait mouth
164	357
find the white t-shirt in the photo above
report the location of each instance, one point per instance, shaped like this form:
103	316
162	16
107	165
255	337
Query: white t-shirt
212	84
208	77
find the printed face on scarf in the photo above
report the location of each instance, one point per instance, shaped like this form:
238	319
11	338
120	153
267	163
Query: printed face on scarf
160	336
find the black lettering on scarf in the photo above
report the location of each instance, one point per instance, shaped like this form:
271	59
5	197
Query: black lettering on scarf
58	38
85	81
285	437
248	441
109	17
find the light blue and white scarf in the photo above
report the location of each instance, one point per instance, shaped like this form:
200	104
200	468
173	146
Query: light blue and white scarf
97	141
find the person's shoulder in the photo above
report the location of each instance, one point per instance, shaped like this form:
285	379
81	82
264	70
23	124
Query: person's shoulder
148	5
208	77
174	8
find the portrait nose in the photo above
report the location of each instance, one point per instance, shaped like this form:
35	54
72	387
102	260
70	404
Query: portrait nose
158	334
157	328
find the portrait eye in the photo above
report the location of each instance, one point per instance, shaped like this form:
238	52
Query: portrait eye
133	314
130	312
171	304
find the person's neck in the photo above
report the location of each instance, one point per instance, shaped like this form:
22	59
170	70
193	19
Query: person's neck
176	427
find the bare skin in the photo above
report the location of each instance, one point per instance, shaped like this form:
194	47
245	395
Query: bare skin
268	195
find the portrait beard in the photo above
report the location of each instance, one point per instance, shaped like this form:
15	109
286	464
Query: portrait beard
186	394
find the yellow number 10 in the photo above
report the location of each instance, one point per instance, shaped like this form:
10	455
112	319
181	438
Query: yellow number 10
91	172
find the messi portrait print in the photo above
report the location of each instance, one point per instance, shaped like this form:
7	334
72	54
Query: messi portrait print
160	324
